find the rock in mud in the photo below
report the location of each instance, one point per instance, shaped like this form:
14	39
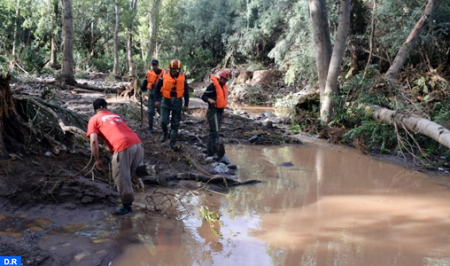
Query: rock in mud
268	114
220	168
225	160
232	166
286	120
253	139
87	199
268	124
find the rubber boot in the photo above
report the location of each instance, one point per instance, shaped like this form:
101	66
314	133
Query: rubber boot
150	124
173	140
165	135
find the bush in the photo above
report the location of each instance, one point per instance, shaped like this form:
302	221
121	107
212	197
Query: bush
33	58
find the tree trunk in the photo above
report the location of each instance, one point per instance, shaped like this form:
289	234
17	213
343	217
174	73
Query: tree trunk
143	46
415	124
410	42
321	39
67	72
153	23
130	55
372	35
116	39
53	46
92	53
326	107
15	27
131	71
53	53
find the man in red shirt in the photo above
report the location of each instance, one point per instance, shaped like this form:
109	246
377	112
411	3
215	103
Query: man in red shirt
127	148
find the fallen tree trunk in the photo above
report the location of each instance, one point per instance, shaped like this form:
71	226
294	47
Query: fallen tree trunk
415	124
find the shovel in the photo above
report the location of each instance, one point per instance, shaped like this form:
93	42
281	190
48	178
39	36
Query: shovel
218	147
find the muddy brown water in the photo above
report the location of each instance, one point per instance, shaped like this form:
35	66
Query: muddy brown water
333	206
318	205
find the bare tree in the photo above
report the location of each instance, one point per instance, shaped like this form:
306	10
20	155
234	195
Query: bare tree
321	39
131	71
116	39
153	24
372	35
15	27
328	61
67	73
53	46
410	42
326	107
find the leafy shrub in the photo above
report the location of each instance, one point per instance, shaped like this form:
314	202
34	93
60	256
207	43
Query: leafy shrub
33	58
375	135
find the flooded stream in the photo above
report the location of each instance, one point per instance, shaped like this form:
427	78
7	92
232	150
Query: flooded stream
317	205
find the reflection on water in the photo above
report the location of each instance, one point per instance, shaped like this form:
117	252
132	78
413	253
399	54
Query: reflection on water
334	206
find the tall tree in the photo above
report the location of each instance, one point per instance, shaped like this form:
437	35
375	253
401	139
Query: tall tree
331	87
133	4
53	46
116	39
67	73
15	27
153	25
321	39
410	42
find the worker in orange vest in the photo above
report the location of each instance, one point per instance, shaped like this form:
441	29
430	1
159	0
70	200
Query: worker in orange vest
216	95
149	84
169	91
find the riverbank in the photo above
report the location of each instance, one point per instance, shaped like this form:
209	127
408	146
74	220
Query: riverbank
47	199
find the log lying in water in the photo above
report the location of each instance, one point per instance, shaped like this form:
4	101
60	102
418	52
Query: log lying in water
217	181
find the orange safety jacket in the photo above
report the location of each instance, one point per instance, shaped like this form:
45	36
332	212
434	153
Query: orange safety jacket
173	85
221	93
152	78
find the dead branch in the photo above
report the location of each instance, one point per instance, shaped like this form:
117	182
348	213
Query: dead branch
196	166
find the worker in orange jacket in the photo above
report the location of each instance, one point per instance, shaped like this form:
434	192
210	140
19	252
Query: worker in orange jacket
149	84
216	95
171	88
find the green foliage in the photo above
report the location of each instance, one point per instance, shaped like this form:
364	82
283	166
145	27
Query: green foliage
294	51
375	135
213	219
33	58
396	19
295	128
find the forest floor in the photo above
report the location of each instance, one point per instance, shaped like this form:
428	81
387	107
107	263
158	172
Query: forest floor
45	197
